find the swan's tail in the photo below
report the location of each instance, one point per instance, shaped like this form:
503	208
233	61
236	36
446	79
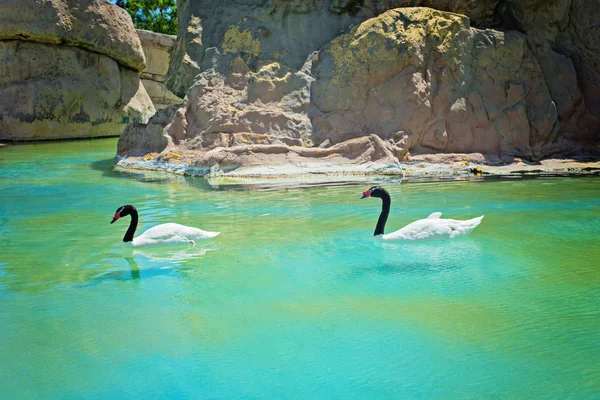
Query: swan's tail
211	235
203	235
471	224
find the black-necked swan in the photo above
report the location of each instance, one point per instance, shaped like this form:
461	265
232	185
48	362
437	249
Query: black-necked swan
169	233
433	227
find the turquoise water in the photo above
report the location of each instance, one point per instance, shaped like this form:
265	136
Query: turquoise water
293	300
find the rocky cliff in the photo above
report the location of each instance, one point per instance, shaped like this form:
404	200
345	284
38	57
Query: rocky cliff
376	79
69	69
157	49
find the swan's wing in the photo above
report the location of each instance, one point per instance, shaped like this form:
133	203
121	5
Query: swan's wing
419	230
434	228
173	233
197	234
162	232
435	215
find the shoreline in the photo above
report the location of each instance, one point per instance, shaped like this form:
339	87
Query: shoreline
419	168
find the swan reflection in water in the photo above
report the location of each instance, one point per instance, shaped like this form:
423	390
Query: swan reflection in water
423	258
433	255
150	262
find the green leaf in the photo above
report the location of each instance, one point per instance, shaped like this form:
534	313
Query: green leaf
154	15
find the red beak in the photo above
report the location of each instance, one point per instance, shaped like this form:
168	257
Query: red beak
366	193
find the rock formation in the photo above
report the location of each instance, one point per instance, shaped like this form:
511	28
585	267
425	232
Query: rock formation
378	77
157	48
462	89
68	69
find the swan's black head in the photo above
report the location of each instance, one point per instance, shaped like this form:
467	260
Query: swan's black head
375	191
122	212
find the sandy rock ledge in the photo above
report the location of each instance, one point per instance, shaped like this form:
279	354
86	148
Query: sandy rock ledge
291	166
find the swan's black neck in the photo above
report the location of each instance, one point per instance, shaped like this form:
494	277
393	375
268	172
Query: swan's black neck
385	211
132	226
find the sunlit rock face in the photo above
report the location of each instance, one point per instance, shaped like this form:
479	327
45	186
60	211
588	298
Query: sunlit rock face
157	49
236	107
466	76
284	31
258	31
427	80
70	69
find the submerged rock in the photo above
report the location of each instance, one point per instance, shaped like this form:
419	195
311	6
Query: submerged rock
70	69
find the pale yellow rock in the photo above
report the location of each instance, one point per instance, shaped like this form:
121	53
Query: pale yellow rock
159	94
240	41
68	69
59	92
95	25
418	79
157	48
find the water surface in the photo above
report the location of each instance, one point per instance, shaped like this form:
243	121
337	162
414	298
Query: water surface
294	300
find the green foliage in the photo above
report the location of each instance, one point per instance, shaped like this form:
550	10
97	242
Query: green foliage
152	15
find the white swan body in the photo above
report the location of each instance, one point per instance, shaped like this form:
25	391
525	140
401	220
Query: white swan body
164	234
172	233
433	227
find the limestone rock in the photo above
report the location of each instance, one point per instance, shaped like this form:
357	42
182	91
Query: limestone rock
94	25
50	92
482	13
234	151
410	79
69	69
572	29
157	48
229	105
427	79
581	42
159	94
283	31
258	31
139	139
